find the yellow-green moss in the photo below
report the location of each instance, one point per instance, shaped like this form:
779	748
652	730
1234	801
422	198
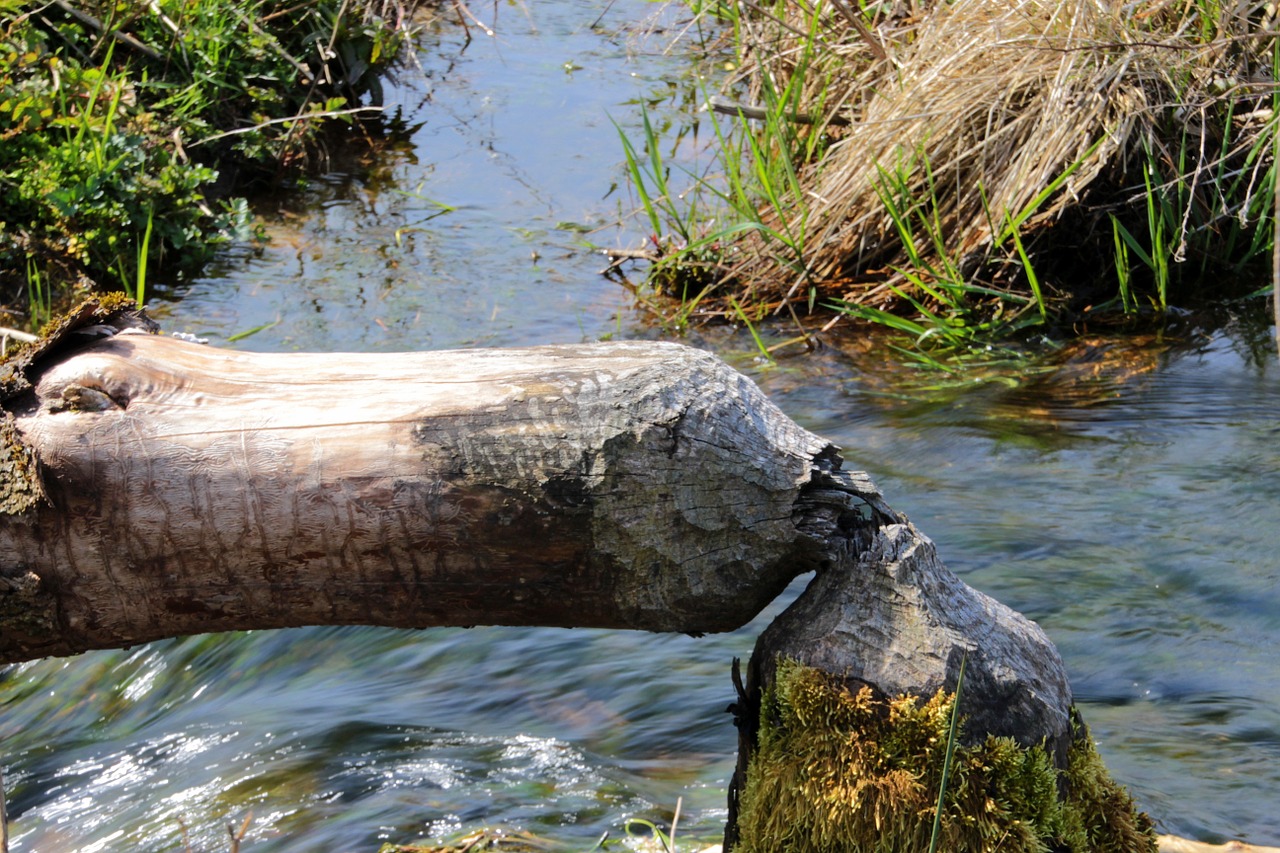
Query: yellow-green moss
20	486
836	772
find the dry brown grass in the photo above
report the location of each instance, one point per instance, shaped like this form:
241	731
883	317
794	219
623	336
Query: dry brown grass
1002	99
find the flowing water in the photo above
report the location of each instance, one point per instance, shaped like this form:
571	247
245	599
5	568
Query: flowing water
1132	512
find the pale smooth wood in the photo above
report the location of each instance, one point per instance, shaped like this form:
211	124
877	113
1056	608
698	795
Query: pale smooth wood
192	489
1174	844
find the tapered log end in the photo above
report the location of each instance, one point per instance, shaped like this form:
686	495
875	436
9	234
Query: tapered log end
845	716
892	616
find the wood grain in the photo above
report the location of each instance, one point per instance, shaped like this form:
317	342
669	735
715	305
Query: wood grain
191	489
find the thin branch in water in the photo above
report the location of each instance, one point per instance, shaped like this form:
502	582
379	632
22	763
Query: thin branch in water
4	818
299	117
463	10
726	106
1275	250
237	837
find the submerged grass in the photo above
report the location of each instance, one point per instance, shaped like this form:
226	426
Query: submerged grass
126	127
980	168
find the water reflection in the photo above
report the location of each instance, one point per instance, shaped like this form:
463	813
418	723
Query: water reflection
481	227
1127	501
1142	537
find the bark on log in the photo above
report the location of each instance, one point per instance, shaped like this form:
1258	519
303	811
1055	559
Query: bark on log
190	489
892	616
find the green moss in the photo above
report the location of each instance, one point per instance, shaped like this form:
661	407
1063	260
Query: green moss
838	771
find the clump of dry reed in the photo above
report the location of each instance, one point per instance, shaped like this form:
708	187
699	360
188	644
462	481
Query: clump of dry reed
1005	132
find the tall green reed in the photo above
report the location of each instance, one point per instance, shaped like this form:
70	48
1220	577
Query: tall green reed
751	200
39	297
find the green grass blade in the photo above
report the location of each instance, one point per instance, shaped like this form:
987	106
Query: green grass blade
239	336
140	289
638	181
1014	223
755	336
936	835
1032	280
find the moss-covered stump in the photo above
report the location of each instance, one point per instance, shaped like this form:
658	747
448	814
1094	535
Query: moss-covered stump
843	719
837	771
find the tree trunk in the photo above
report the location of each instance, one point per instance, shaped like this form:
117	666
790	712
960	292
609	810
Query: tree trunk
190	489
153	488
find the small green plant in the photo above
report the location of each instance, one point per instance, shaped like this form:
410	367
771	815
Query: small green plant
951	315
39	299
666	840
936	835
684	245
751	328
117	119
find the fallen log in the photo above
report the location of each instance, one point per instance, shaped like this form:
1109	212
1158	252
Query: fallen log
183	489
153	488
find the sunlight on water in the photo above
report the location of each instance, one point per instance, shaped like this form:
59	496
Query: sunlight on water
1132	512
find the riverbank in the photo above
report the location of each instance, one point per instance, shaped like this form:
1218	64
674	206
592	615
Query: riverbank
967	172
131	134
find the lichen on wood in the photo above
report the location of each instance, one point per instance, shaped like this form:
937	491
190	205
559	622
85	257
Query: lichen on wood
28	612
20	486
840	770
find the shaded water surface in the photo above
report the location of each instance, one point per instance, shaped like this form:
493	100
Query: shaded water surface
1132	513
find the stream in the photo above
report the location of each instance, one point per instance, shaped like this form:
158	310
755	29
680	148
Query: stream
1127	502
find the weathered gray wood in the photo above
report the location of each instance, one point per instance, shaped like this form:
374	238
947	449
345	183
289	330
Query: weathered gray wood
891	615
886	613
192	489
